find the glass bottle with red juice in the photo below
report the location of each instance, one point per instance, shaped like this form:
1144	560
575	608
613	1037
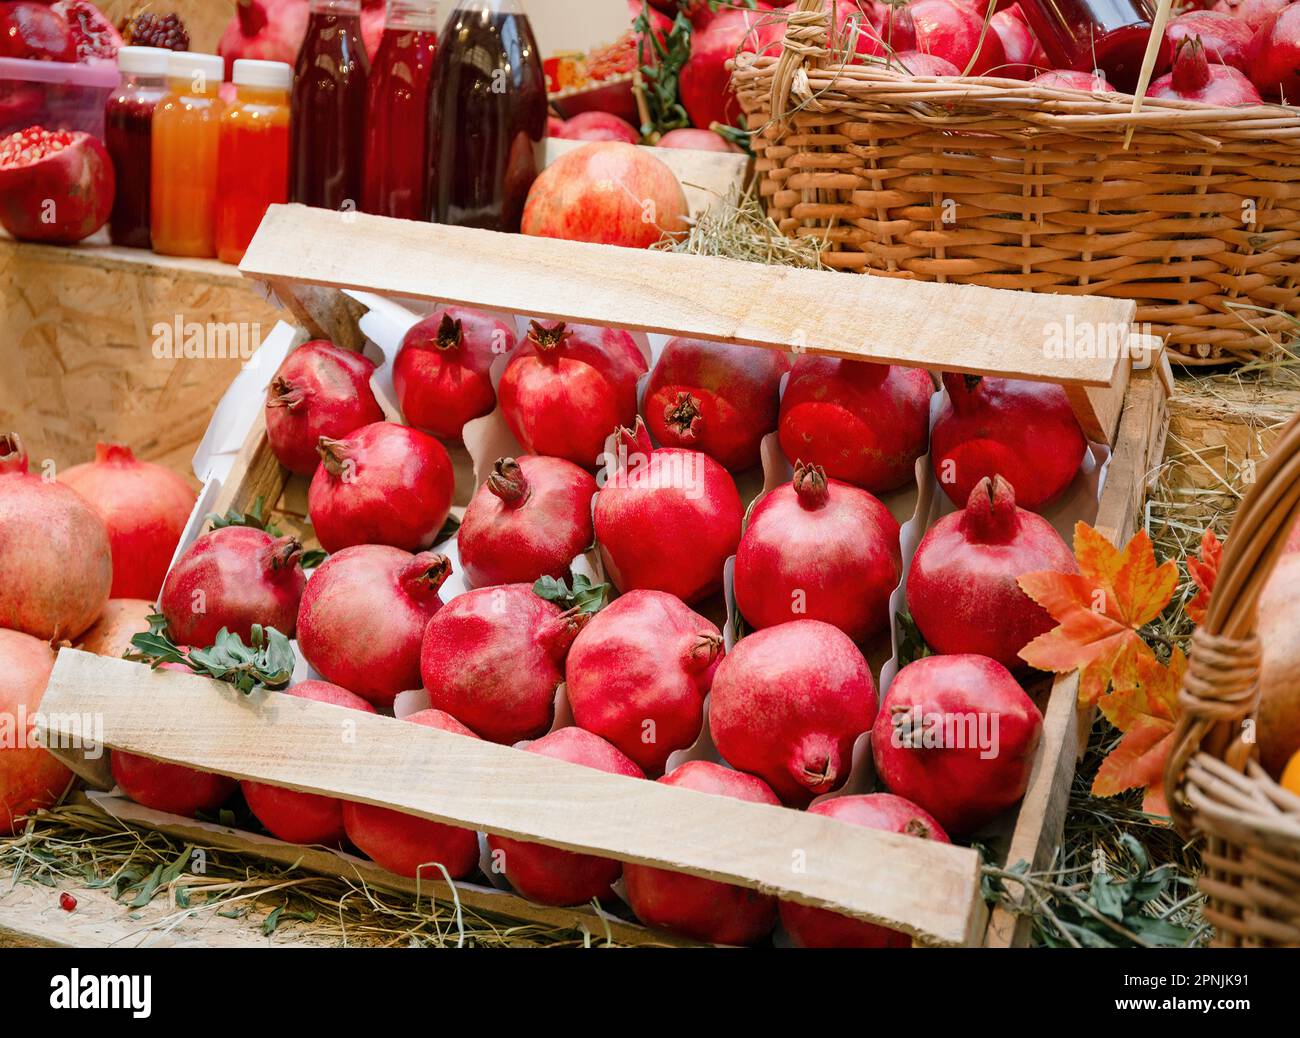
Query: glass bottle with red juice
1084	35
329	107
397	111
487	116
128	125
253	157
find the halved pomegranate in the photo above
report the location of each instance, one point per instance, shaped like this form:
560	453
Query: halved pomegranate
55	185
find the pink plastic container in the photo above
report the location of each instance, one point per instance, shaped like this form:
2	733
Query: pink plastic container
54	94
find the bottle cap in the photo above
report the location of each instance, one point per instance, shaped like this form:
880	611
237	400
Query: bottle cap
143	61
182	64
273	75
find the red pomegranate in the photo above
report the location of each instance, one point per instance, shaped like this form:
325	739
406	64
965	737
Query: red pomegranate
607	193
173	788
304	817
1025	56
1252	13
96	38
705	82
34	32
30	779
443	372
1274	55
264	30
818	928
788	703
383	484
55	185
599	126
704	909
698	140
666	520
1195	79
863	423
529	519
363	615
962	589
233	577
1226	38
568	386
56	565
145	508
638	673
1025	432
493	659
956	735
715	398
121	620
914	63
408	845
548	875
953	31
319	390
1068	79
822	550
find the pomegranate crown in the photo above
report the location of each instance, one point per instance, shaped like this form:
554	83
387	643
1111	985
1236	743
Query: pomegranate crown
990	513
424	574
634	440
703	652
283	553
334	455
13	456
507	481
1191	67
113	454
684	417
547	338
285	393
252	17
810	485
449	332
558	633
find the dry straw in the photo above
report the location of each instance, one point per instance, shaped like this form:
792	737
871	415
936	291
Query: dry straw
1003	183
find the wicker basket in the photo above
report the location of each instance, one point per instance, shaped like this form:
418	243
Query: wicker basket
997	182
1216	787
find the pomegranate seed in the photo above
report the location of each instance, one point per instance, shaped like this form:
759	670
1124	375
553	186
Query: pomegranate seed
67	902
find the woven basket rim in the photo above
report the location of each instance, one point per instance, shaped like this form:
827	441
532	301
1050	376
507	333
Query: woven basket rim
883	85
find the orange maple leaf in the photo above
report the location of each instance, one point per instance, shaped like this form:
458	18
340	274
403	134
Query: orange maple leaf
1204	572
1144	706
1099	610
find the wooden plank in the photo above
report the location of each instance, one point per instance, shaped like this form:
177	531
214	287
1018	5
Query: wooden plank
962	328
30	917
456	780
1041	819
346	866
255	473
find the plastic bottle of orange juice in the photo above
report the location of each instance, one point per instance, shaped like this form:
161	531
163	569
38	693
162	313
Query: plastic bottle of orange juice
254	153
186	130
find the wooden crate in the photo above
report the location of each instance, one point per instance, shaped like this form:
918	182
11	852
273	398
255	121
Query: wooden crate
928	890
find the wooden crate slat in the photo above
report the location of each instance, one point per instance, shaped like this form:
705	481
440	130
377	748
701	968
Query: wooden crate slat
345	866
962	328
926	889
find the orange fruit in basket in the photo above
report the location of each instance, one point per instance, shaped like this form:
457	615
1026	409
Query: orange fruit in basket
1291	776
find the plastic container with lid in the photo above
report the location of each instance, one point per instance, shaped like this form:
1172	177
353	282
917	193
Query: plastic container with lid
254	153
54	94
186	136
128	134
